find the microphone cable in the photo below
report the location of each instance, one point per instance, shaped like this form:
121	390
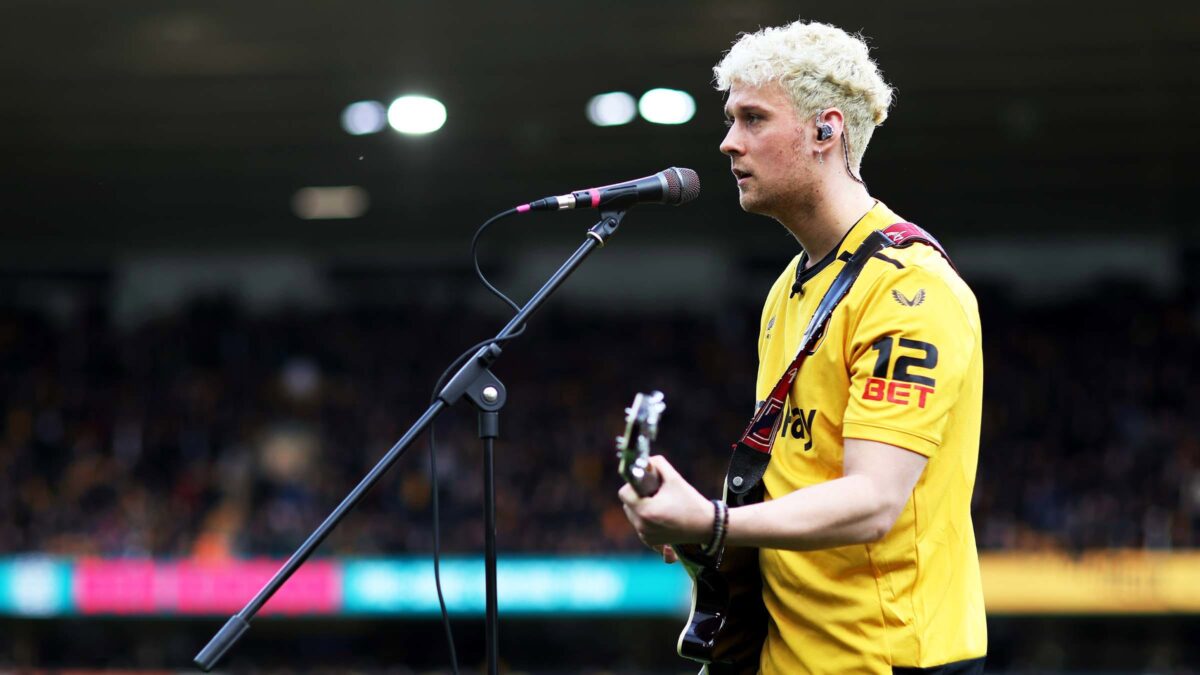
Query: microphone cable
437	388
475	259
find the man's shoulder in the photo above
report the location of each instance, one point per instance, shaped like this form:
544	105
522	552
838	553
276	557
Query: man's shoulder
914	259
906	277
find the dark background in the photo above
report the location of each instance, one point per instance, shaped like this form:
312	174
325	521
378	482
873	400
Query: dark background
128	125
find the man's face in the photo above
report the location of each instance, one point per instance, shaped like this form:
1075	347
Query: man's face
767	144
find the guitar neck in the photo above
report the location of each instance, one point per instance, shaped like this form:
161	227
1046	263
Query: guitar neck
643	478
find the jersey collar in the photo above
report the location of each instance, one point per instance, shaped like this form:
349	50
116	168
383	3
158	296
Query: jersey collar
877	218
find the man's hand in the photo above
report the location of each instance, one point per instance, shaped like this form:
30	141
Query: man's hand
676	514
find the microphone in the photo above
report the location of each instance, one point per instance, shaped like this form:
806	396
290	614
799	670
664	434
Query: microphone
673	186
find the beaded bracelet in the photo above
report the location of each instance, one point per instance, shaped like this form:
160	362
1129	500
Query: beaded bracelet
720	526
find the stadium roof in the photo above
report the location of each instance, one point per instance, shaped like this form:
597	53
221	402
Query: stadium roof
135	123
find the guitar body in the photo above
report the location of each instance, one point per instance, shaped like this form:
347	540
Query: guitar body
710	606
728	621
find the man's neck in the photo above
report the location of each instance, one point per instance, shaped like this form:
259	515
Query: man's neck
820	227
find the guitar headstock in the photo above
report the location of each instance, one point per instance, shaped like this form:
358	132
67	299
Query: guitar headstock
635	445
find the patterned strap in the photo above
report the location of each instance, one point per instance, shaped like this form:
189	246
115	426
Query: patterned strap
906	234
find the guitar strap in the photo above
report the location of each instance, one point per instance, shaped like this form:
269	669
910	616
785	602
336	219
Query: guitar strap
743	481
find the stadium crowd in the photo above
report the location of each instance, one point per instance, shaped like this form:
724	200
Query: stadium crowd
213	433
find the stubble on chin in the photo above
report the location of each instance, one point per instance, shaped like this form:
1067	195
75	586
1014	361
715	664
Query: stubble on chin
752	202
747	203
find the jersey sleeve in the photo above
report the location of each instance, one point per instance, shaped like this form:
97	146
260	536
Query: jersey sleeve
908	356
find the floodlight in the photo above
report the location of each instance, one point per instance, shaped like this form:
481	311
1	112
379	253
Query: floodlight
667	106
416	115
364	117
612	109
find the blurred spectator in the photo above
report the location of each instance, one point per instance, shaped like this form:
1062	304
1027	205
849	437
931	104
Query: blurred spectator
215	434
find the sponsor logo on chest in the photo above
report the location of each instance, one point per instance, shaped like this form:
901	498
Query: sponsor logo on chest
798	424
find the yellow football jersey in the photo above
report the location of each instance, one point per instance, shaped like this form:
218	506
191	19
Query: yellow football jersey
901	363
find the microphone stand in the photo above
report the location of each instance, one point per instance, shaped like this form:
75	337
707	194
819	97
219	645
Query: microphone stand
475	381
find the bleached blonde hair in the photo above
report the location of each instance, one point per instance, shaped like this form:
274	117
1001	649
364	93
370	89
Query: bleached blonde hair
820	66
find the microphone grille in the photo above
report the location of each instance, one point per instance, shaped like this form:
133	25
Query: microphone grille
683	185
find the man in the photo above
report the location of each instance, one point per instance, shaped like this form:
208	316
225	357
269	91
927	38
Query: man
866	545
